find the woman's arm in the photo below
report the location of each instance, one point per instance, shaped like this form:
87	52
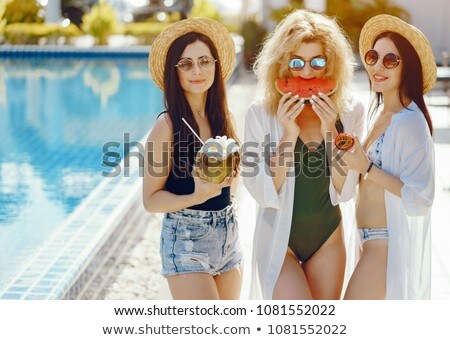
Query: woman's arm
235	182
283	160
260	179
377	175
338	170
157	161
415	165
358	161
355	127
385	180
343	180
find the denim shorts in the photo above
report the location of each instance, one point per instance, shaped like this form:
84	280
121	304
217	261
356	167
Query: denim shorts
197	241
367	234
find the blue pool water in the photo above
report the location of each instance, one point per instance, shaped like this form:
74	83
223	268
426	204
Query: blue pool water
55	116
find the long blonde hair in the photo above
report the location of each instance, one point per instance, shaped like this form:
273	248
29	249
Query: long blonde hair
298	27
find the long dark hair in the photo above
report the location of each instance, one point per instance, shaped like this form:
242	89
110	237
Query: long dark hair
178	107
411	82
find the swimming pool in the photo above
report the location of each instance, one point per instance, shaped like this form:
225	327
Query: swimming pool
55	116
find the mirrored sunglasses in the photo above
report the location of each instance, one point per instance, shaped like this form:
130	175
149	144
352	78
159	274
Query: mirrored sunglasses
187	64
390	60
297	64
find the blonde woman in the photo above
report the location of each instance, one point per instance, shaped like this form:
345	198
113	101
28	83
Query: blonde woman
299	249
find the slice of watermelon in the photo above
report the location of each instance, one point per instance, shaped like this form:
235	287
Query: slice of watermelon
305	88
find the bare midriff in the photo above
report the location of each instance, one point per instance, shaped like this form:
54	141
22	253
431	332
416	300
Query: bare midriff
370	205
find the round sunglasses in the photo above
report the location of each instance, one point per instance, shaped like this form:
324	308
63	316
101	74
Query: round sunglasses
297	64
187	64
390	60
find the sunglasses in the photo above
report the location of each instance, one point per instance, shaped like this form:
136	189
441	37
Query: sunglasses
187	64
297	64
390	60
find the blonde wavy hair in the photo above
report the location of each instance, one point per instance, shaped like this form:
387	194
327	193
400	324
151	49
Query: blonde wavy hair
298	27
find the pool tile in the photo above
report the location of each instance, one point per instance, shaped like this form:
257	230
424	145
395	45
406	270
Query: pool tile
57	270
11	296
47	282
35	296
18	289
23	282
52	276
39	289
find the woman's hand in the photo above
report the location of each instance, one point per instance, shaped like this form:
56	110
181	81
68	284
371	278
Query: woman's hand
287	111
326	110
205	190
356	159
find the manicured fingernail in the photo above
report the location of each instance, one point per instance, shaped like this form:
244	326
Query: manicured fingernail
302	100
314	96
289	93
296	96
320	94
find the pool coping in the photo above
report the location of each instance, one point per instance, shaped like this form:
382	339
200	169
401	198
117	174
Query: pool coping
138	51
73	51
84	241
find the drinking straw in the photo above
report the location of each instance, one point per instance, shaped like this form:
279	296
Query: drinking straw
184	120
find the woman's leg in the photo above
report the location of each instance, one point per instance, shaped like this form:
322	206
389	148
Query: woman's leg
326	268
193	286
368	281
291	283
229	284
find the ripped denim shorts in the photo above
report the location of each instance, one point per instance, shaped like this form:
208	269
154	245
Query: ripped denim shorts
197	241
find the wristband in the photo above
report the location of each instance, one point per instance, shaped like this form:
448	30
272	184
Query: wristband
368	170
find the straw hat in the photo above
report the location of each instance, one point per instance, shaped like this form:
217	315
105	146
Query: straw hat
388	23
214	30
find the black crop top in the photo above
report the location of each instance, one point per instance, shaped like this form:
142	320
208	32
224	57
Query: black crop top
181	182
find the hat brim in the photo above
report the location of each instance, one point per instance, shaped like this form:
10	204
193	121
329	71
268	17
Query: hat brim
214	30
388	23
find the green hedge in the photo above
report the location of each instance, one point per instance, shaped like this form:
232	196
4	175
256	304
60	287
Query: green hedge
30	33
146	32
22	33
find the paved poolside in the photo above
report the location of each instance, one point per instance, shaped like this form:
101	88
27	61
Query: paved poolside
241	94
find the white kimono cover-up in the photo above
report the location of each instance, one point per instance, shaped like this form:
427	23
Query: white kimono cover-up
408	153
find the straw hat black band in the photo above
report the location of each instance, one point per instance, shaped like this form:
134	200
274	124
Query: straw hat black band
214	30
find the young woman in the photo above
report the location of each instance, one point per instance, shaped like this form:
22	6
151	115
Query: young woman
200	251
299	249
396	162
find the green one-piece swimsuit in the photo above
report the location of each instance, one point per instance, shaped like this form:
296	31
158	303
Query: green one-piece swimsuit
314	218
